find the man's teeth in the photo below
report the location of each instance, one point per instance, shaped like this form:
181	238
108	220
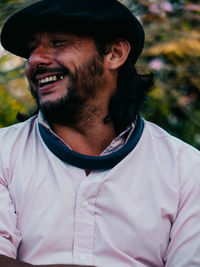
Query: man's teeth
51	79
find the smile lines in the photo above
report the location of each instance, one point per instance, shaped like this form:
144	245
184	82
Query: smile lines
52	78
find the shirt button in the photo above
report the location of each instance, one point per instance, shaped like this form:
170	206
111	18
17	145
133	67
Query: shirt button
83	257
85	204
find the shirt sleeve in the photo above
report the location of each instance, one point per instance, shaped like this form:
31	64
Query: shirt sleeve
184	246
9	235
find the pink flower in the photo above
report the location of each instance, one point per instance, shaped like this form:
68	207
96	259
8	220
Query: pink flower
166	6
154	8
192	7
186	100
156	64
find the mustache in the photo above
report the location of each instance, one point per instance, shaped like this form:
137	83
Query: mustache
40	71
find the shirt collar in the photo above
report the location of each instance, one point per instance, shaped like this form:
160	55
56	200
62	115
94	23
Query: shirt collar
115	145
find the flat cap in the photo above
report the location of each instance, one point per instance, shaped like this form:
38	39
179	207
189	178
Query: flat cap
99	18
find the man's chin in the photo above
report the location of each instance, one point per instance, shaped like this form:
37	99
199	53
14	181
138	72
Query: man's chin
61	111
43	103
51	101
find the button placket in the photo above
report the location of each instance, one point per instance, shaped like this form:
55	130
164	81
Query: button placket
84	221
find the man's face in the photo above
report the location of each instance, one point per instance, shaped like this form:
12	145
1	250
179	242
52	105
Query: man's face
64	71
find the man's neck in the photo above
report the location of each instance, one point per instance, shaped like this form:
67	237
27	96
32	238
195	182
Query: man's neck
90	140
90	135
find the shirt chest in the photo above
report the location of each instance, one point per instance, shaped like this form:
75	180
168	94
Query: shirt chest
124	209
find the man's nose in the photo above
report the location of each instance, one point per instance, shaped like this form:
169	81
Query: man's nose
40	56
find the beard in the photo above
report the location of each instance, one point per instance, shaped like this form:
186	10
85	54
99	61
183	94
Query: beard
84	83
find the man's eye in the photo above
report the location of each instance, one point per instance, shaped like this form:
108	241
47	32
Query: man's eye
57	43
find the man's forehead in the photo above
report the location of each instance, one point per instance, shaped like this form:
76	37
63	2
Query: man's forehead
40	34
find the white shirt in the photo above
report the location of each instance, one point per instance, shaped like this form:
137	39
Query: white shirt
143	212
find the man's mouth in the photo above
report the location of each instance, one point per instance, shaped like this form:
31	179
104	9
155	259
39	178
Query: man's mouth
48	76
50	79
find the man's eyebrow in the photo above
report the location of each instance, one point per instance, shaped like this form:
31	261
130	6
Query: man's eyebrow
62	36
69	38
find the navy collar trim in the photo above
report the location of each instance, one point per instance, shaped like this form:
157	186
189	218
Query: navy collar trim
59	149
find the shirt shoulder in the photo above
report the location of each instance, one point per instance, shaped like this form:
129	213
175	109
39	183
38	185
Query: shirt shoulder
14	139
12	132
173	153
173	142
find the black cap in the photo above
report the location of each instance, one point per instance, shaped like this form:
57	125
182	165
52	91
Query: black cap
102	18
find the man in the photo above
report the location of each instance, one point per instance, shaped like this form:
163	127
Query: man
86	181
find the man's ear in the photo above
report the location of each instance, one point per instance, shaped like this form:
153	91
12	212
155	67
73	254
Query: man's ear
119	51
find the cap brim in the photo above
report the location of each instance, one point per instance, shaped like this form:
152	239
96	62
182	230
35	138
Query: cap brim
19	28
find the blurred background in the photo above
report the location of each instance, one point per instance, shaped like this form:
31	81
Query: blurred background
172	51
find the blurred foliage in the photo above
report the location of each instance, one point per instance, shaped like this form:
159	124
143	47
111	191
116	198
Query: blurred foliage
172	51
14	96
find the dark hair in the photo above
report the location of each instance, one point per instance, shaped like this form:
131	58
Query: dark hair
25	116
131	93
